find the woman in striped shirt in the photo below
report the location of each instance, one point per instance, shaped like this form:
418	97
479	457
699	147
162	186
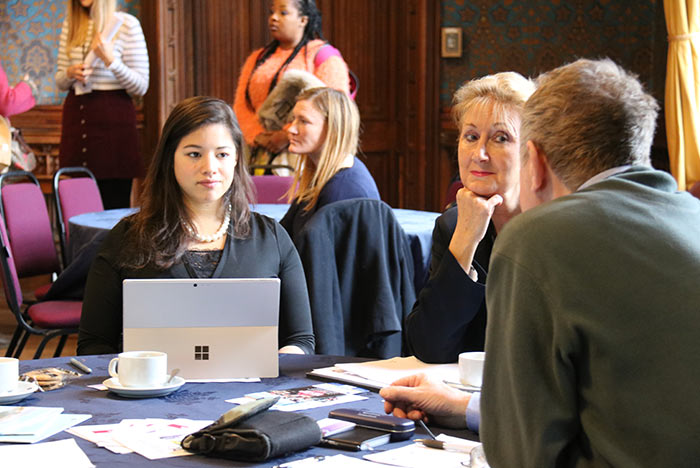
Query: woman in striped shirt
103	63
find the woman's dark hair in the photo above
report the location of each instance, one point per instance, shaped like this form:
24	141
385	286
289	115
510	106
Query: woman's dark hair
312	30
157	236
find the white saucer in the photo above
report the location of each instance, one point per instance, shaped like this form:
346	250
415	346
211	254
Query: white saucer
143	392
23	390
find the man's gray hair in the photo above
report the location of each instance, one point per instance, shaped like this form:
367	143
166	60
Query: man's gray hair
589	116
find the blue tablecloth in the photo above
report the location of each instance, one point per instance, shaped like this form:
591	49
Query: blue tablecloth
87	228
201	401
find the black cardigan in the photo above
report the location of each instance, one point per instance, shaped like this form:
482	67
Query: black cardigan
449	316
266	253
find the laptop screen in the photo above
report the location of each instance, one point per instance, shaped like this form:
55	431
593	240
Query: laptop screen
210	328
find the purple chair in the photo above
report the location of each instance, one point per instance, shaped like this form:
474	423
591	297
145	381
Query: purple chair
271	188
24	211
451	194
75	192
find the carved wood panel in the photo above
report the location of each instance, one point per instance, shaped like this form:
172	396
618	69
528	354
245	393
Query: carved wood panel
163	22
223	34
389	44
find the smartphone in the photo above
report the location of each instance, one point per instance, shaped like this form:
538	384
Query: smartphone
331	426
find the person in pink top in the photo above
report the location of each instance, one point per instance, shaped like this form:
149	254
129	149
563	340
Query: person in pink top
17	99
295	26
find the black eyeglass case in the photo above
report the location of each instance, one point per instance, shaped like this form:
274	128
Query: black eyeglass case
399	428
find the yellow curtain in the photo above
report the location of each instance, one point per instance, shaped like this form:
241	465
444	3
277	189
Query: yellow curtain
683	90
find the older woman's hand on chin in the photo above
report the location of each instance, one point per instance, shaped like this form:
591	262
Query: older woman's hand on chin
419	397
473	215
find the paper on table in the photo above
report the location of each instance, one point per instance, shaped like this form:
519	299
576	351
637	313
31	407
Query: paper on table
100	435
418	455
59	454
341	375
336	461
303	398
156	438
25	420
389	370
59	423
239	380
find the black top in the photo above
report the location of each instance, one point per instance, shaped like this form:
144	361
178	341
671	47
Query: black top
266	253
449	316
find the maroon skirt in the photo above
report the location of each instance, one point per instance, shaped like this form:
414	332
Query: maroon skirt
98	131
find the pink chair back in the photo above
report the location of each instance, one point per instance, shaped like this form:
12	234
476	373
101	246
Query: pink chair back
29	229
10	280
78	195
271	188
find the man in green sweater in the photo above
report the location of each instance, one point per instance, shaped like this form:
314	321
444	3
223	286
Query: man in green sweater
593	336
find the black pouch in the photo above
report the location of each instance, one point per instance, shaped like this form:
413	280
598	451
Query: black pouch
250	433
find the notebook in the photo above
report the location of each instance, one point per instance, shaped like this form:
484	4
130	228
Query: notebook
210	328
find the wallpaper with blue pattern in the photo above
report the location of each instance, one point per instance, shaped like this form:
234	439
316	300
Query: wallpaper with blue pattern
532	36
29	31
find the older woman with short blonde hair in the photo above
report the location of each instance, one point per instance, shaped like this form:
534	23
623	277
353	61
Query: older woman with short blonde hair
449	316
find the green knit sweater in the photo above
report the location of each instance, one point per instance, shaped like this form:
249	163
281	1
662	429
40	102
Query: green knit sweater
593	338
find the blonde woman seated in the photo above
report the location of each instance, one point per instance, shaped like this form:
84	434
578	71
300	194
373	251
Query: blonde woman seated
325	131
195	222
449	316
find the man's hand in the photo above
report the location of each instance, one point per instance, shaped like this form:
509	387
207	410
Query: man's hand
419	397
473	215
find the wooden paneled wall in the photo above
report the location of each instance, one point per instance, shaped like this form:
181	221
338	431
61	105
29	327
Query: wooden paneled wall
390	44
197	47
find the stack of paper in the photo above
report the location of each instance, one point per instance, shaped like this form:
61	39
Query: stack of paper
29	424
379	374
151	438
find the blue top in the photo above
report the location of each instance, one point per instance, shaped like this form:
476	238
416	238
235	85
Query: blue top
347	183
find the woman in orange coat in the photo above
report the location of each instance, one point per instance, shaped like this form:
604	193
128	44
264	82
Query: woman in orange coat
295	26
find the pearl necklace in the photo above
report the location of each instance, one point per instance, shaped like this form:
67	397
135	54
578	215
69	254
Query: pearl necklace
214	237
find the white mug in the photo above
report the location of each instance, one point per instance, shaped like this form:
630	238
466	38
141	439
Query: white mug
140	368
471	368
9	374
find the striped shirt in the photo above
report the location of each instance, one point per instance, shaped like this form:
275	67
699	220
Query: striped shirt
129	69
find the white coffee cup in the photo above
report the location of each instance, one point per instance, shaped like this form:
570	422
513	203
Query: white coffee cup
471	368
9	374
140	368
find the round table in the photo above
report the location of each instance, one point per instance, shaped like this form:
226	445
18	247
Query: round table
418	225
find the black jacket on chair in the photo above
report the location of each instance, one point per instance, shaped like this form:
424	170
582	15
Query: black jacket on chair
359	271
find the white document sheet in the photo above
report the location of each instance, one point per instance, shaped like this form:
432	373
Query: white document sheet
59	454
336	461
418	455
